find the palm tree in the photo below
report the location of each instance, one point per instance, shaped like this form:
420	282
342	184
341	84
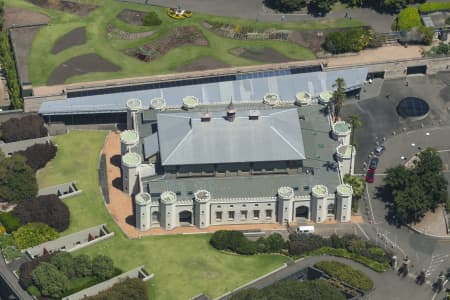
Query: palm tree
338	97
355	123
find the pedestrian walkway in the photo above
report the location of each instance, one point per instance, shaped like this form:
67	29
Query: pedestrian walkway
433	223
12	281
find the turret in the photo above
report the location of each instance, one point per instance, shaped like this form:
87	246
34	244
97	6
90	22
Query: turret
133	106
201	206
142	204
130	164
319	198
168	210
344	194
285	199
128	140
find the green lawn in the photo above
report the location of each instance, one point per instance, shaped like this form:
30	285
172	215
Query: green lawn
184	266
41	63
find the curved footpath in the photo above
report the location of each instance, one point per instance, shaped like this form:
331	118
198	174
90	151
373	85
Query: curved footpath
388	286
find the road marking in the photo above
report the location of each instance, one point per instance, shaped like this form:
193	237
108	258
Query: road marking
370	204
362	230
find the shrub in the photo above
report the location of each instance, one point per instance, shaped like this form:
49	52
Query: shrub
10	221
28	127
33	234
25	279
408	18
48	209
345	273
11	253
49	280
38	155
246	247
17	180
352	40
236	241
130	289
82	265
151	19
6	240
102	267
434	6
227	239
301	244
64	262
275	243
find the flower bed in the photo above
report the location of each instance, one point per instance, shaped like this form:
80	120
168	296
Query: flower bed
179	14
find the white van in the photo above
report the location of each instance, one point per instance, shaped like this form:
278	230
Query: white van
305	229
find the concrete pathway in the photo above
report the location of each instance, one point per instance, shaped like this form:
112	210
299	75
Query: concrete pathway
388	286
12	281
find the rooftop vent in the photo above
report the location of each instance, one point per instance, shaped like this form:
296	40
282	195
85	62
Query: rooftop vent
206	117
231	111
254	115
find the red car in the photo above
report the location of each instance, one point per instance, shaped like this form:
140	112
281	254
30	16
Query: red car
370	176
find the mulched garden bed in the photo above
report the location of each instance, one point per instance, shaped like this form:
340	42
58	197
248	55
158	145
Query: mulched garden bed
262	54
125	35
80	9
21	17
70	39
202	63
133	17
180	36
79	65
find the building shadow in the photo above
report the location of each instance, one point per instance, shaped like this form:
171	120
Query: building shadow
116	160
131	220
117	183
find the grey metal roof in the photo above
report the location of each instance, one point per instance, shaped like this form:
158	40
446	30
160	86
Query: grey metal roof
427	21
240	90
185	140
151	145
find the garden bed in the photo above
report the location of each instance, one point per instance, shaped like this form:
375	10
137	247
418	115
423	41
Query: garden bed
262	54
70	39
132	17
80	9
80	65
180	36
202	63
125	35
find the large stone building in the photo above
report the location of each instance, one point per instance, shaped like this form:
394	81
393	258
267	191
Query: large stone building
244	162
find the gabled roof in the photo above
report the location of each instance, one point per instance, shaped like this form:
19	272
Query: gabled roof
275	136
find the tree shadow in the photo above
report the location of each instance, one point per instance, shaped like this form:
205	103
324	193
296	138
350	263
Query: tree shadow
384	193
117	183
116	160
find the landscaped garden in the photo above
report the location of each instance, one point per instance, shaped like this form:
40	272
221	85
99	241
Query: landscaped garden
117	44
175	260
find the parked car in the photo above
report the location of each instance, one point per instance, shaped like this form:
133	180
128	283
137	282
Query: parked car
370	176
374	163
379	150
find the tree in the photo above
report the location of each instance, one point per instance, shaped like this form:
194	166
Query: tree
102	267
320	7
285	5
275	243
25	279
49	280
28	127
82	265
355	123
38	155
33	234
359	186
64	262
409	204
48	209
17	179
408	19
338	97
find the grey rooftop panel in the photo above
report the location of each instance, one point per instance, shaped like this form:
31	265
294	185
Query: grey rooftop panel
151	145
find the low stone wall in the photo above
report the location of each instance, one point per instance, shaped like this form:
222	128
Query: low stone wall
63	191
139	272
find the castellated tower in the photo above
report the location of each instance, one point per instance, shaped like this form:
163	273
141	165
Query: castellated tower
143	201
285	198
133	107
201	208
319	203
344	202
130	164
128	141
168	210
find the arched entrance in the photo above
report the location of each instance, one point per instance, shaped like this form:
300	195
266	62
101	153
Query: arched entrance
185	218
302	212
155	217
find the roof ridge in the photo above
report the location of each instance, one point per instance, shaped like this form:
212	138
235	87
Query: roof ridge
287	141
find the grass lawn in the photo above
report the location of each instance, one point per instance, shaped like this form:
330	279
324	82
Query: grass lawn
184	266
41	63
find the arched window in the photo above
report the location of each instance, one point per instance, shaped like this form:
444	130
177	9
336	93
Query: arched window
331	209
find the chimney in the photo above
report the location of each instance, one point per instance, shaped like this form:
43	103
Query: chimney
253	115
231	112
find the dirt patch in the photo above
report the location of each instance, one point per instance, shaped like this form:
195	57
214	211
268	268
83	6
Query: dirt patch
133	17
180	36
21	17
262	54
80	9
203	63
124	35
312	39
70	39
22	40
79	65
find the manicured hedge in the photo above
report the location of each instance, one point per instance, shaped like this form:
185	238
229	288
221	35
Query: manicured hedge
408	18
434	6
345	273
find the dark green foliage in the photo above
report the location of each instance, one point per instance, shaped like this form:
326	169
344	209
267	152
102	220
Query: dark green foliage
48	209
292	289
303	243
26	268
10	221
353	40
130	289
345	273
8	65
410	193
408	18
39	155
33	234
427	34
17	179
386	6
442	49
320	7
64	262
102	267
236	241
285	5
447	21
49	280
82	265
151	19
28	127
